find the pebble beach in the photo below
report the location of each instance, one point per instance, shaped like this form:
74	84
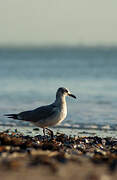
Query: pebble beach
59	157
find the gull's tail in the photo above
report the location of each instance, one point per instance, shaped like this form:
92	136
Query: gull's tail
13	116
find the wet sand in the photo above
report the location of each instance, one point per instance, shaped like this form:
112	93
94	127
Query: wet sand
57	157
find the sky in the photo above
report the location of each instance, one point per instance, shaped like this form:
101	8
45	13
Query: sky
58	22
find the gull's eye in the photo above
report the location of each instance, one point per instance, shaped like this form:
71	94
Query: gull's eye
66	91
63	90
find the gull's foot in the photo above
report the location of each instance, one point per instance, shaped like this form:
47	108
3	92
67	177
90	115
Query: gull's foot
50	132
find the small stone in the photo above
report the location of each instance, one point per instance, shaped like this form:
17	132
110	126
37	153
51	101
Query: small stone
36	129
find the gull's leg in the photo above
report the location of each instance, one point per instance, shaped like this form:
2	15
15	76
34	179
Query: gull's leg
44	131
51	132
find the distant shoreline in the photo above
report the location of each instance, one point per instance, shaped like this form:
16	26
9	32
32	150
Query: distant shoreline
59	47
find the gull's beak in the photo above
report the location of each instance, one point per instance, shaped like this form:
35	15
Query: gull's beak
72	95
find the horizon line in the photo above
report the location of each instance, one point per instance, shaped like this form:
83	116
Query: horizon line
46	46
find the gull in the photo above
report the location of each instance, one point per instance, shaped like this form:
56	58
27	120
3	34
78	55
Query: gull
47	116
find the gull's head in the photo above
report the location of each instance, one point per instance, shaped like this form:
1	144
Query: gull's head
62	92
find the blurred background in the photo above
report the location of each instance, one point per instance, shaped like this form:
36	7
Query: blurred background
48	44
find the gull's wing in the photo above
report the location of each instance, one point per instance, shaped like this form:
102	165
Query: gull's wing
40	113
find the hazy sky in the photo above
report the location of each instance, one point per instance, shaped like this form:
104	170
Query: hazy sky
66	22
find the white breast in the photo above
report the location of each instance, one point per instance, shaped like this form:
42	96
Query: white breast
62	115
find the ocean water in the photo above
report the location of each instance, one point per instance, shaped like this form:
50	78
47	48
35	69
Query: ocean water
29	78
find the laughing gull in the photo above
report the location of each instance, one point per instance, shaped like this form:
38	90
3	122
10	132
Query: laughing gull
46	116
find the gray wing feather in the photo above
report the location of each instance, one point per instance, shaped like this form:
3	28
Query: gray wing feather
38	113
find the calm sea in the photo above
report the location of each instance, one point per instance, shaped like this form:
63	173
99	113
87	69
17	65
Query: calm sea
30	77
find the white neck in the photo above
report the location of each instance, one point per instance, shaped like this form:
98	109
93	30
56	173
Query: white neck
60	100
